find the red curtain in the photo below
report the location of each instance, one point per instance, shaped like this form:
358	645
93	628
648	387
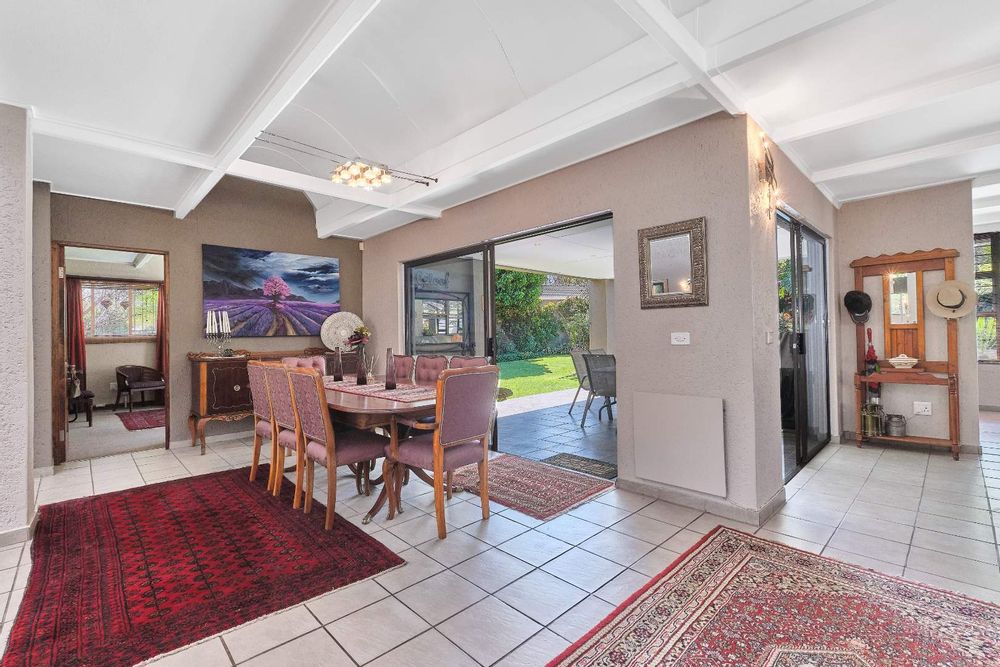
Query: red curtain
76	348
161	331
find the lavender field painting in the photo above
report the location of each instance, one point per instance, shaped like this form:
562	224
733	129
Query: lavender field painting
270	293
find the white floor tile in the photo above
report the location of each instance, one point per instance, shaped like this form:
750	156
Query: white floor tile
266	633
443	595
376	629
534	547
492	570
489	630
429	648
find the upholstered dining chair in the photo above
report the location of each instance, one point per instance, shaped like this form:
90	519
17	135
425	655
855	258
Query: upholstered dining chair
317	439
467	362
283	416
263	421
429	367
403	363
458	435
318	362
601	375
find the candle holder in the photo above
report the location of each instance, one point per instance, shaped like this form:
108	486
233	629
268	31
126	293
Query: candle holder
221	339
218	332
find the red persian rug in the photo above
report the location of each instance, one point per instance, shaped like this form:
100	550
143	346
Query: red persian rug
138	421
735	599
121	577
534	488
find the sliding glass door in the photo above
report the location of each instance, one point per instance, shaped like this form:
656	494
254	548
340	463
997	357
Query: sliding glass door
803	342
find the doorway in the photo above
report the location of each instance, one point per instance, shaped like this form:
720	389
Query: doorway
803	321
110	349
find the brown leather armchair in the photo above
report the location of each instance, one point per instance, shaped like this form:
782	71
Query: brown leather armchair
137	380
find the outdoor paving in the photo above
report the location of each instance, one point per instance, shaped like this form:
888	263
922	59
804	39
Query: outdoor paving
540	426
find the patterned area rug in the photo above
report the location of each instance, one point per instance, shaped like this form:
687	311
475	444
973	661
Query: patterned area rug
583	464
139	421
531	487
405	393
121	577
735	599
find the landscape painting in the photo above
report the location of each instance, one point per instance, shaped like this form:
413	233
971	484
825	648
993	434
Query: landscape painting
270	293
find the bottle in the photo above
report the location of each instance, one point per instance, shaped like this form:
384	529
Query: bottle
390	369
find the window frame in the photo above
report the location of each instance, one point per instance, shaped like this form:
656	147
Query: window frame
994	276
91	337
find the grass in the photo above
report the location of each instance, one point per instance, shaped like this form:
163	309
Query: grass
538	376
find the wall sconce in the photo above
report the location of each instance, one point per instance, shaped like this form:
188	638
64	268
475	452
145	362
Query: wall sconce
765	172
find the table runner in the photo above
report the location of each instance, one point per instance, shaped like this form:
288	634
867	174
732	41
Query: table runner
404	393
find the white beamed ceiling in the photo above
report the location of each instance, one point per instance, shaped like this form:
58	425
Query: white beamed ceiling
152	103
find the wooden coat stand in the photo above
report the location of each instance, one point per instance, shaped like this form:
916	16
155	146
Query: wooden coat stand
939	373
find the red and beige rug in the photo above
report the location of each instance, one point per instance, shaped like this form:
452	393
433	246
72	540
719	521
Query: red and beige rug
735	599
121	577
536	489
138	421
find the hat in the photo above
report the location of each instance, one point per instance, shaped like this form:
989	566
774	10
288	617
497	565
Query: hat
858	304
951	299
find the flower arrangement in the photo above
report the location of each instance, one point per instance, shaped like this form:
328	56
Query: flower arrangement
360	337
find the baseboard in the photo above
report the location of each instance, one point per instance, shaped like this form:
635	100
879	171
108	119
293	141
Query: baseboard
990	408
45	471
22	534
698	501
219	437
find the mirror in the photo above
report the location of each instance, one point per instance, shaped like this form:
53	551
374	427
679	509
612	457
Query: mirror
903	298
672	265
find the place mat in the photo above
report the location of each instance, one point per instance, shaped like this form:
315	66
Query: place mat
594	467
404	393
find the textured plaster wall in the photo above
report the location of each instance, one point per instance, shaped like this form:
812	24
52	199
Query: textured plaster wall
236	213
16	362
41	271
700	169
937	217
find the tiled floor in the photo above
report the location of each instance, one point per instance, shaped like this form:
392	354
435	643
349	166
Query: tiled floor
546	428
515	591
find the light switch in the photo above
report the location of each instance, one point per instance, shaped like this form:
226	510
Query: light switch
769	337
680	338
922	408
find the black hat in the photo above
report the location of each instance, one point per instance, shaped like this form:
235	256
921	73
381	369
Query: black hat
858	304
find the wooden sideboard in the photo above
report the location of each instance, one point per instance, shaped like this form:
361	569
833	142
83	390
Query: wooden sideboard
220	386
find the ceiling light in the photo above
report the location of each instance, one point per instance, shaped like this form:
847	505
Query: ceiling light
358	174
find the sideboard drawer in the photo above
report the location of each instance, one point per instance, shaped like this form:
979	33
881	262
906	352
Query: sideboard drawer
228	387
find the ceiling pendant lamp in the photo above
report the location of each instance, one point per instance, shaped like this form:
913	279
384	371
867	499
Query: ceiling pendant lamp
359	174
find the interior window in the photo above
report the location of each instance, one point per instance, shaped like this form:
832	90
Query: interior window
117	310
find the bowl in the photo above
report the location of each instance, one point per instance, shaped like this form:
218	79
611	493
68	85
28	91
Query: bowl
903	361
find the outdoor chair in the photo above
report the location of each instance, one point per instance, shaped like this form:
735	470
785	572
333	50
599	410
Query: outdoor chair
581	374
601	375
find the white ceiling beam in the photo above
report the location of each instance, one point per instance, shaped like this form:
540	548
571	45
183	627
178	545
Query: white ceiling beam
911	97
658	21
906	158
70	131
327	35
981	203
294	180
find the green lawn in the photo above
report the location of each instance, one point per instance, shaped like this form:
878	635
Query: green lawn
538	376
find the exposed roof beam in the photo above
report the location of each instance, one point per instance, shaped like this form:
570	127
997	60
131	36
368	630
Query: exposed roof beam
906	158
321	186
911	97
985	202
658	21
326	36
61	129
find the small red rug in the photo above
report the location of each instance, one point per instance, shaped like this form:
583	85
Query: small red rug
735	599
138	421
536	489
122	577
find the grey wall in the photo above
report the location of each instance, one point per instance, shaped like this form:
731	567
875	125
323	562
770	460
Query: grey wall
16	360
41	272
236	213
989	386
938	217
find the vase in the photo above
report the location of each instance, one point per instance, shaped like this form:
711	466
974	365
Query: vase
390	370
362	369
338	367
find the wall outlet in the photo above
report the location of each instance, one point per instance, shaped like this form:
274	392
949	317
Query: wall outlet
680	338
921	408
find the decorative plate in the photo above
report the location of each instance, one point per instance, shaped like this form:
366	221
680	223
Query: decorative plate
338	328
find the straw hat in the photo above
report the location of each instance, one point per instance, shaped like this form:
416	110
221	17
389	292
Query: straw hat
951	299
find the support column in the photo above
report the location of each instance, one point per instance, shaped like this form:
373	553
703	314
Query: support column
16	352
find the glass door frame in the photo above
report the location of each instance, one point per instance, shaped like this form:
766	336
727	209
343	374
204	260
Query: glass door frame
797	231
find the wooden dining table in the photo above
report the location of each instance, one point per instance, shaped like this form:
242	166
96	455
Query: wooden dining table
368	412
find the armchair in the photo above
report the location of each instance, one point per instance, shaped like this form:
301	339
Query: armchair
137	380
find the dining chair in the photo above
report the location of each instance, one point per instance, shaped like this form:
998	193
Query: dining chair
283	414
321	445
263	420
459	435
403	363
429	367
467	362
601	375
318	362
580	366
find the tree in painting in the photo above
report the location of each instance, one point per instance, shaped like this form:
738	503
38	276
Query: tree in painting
270	293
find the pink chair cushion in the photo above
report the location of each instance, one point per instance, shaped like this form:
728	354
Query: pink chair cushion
351	447
429	367
468	362
286	438
263	429
419	452
318	362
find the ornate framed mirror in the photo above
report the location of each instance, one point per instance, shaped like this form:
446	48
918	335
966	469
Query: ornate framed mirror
673	265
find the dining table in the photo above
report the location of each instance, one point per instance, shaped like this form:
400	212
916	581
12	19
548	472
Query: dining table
367	412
